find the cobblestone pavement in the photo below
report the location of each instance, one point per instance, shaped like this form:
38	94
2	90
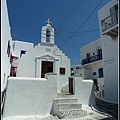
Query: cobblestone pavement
91	115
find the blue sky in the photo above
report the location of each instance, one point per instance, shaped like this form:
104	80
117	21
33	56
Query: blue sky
28	16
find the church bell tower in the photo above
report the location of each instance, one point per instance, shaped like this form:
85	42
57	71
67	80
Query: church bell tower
47	33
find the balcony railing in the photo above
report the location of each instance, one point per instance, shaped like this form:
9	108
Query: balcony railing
92	59
109	21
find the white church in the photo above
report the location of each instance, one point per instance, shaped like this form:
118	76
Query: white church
36	80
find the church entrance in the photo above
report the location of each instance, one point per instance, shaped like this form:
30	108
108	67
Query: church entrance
47	67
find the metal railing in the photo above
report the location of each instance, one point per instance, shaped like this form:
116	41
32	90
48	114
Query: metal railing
109	21
91	59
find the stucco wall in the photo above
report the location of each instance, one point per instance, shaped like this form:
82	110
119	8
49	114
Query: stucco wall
105	12
90	48
19	45
110	57
27	64
30	96
5	37
84	91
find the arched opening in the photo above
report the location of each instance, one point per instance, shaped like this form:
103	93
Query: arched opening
48	35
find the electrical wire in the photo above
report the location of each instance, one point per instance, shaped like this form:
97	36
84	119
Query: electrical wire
72	12
78	32
82	24
68	43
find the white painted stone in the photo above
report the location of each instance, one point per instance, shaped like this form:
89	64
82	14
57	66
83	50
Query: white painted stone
110	52
5	37
30	96
84	91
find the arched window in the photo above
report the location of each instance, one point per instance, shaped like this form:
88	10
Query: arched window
48	35
47	32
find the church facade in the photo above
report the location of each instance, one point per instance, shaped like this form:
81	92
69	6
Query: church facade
45	58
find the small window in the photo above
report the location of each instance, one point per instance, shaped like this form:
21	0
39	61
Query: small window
22	52
94	73
77	68
62	70
100	71
8	49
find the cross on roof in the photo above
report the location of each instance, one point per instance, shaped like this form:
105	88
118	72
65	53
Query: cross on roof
48	21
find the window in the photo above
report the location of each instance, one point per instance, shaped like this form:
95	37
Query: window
77	68
47	32
22	52
100	71
94	73
62	70
99	52
88	57
8	49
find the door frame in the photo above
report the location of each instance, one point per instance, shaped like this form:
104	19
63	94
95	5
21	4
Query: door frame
46	68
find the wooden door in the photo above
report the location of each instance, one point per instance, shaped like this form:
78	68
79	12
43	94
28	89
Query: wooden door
46	68
71	86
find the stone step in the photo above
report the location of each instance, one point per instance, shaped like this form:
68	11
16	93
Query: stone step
66	100
67	106
71	114
65	95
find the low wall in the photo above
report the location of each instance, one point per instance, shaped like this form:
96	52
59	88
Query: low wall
30	96
84	91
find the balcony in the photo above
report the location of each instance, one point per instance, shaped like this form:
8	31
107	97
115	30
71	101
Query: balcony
109	25
92	59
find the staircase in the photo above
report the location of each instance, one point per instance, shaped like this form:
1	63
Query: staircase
66	106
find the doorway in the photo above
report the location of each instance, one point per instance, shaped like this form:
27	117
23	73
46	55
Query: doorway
47	67
71	86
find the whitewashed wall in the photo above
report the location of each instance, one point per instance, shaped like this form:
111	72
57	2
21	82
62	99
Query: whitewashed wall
93	66
5	37
110	58
28	67
20	45
76	69
101	88
84	91
90	48
30	96
105	12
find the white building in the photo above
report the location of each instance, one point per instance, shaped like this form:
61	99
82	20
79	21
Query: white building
6	42
19	48
45	58
92	65
42	85
75	69
108	22
99	59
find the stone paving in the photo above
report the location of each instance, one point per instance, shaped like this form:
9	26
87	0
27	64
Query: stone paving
91	115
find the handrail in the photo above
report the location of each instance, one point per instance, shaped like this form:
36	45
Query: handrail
109	21
92	59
